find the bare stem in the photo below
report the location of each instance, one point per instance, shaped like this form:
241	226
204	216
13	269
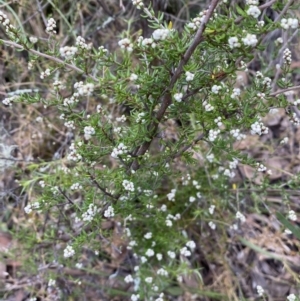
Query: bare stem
49	57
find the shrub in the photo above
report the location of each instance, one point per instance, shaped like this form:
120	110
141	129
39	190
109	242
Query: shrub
153	134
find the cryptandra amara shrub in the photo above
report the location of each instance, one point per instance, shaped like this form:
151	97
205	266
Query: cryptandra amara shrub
130	167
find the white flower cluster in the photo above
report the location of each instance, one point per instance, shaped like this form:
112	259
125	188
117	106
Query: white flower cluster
291	297
76	186
119	150
161	34
260	290
126	44
212	225
171	217
138	3
68	51
215	89
69	251
294	119
146	42
213	134
5	21
80	42
189	76
45	73
134	297
162	272
171	195
8	100
185	252
178	97
85	90
289	23
121	119
139	118
236	133
292	215
218	121
90	213
240	216
128	279
70	124
234	42
58	85
34	206
129	186
109	212
211	209
196	22
287	56
253	11
259	128
235	93
191	244
207	106
72	100
73	155
51	25
261	167
89	131
133	77
250	40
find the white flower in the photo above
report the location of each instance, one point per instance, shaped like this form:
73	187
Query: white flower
192	199
89	131
260	290
133	77
212	225
213	134
33	40
68	51
291	297
135	297
138	3
259	128
210	157
171	254
233	42
109	212
119	150
189	76
128	279
253	11
236	92
51	282
171	195
69	251
148	235
161	34
149	253
250	40
148	279
185	252
178	96
126	44
292	215
162	272
80	42
78	265
129	186
289	23
159	256
211	209
240	216
51	25
191	244
215	89
287	56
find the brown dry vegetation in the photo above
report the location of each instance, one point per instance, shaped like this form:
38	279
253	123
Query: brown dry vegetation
227	264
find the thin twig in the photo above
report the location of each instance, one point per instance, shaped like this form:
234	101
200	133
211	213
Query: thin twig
285	90
47	56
